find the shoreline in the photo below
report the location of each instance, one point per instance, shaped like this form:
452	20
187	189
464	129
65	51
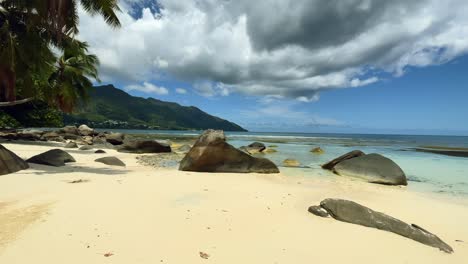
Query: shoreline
140	214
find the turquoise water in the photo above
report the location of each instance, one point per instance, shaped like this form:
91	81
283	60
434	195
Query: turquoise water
425	171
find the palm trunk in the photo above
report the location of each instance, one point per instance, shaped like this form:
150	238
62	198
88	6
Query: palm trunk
7	84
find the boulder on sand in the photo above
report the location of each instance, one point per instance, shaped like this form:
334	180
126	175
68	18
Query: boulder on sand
10	162
351	212
69	130
86	147
144	146
115	138
211	153
71	144
373	168
54	157
111	161
85	130
353	154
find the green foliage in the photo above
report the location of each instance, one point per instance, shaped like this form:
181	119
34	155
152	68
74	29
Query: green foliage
30	30
109	107
33	114
6	121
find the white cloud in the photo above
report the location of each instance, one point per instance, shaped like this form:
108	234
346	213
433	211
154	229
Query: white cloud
181	91
283	115
148	88
305	48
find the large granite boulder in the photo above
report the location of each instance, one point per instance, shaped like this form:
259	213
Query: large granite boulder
373	168
52	136
351	212
254	148
71	144
54	157
10	162
111	161
85	130
69	130
86	147
115	138
353	154
211	153
144	146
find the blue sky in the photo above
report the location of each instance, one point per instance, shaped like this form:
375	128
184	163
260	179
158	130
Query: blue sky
353	66
432	100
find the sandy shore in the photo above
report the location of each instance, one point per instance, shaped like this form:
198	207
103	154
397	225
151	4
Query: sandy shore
145	215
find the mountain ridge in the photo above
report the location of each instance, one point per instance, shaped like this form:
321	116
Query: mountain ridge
110	107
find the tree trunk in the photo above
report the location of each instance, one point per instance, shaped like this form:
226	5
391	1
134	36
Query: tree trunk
7	84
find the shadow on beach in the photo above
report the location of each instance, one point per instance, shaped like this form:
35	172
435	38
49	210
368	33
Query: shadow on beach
44	170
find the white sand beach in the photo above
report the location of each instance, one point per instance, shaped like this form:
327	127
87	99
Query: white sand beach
140	214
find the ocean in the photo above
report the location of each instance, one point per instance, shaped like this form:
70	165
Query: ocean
426	172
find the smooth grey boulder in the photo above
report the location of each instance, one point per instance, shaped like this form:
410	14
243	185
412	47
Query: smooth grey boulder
111	161
99	151
373	168
69	136
253	148
71	144
211	153
144	146
54	157
85	130
73	130
10	162
351	212
318	211
86	147
115	138
353	154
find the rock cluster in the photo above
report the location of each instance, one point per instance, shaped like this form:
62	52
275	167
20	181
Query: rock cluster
81	135
211	153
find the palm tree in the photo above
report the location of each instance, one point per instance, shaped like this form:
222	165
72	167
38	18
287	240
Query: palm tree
28	31
70	82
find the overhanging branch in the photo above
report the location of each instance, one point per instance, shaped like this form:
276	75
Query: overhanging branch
17	102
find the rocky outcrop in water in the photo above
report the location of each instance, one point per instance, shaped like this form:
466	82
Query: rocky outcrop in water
291	163
351	212
373	168
10	162
353	154
144	146
211	153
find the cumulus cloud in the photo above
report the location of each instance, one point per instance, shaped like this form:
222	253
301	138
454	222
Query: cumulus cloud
289	48
266	117
147	87
181	91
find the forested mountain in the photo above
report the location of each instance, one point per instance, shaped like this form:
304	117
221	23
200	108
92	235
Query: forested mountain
109	107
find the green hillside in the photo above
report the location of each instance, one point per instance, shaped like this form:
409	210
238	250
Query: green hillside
109	107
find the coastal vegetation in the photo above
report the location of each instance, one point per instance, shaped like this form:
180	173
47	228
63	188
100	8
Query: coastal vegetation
40	57
110	107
